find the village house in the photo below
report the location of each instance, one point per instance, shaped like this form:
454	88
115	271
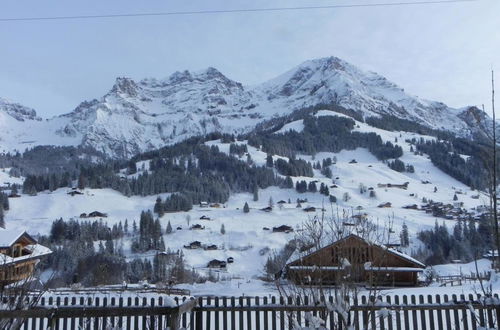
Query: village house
193	245
19	254
357	259
216	264
75	192
282	229
385	205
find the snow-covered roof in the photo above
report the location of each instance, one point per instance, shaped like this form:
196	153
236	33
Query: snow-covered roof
298	255
316	267
393	269
37	251
10	236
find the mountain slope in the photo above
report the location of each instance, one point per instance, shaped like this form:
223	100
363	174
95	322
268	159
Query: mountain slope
139	116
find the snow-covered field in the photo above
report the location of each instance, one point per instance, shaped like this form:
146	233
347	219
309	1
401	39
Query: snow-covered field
245	240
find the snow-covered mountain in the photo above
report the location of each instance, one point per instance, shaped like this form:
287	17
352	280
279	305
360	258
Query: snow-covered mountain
139	116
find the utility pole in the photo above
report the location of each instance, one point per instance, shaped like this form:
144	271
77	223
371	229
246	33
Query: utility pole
495	215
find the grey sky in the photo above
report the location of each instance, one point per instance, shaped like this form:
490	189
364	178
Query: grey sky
442	52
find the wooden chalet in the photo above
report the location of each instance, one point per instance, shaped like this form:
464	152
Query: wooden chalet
197	227
358	260
282	229
193	245
217	264
19	254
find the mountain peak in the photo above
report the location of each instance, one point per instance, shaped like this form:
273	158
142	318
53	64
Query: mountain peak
125	86
17	111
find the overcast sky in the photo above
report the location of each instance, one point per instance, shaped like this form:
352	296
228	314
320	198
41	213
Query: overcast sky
441	52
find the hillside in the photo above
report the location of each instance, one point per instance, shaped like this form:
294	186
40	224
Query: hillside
245	239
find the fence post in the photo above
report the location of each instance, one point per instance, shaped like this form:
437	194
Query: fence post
173	320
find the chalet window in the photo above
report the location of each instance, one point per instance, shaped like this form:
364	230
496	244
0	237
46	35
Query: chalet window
16	250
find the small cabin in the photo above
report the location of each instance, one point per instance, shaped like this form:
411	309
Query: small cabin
310	209
282	229
216	264
230	260
75	192
357	259
281	202
204	217
211	247
193	245
19	254
267	209
96	214
204	204
385	205
197	227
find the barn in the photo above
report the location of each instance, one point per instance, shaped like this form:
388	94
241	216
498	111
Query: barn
356	259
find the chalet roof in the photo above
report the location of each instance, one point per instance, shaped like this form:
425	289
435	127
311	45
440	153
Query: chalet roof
296	256
37	251
9	236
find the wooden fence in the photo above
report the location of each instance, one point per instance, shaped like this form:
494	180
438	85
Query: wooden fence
390	312
453	280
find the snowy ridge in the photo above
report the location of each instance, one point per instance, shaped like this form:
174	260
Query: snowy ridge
139	116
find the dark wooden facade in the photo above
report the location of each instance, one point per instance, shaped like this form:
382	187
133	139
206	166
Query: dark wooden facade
355	260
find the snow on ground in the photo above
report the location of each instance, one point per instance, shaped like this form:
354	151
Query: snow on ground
245	239
297	126
6	179
483	265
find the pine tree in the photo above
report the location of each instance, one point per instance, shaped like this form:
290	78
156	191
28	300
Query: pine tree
455	197
269	160
110	249
222	229
255	193
404	236
162	244
81	182
158	208
271	202
312	187
2	221
246	208
169	228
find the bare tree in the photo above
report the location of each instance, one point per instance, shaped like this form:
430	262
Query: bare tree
19	295
336	288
